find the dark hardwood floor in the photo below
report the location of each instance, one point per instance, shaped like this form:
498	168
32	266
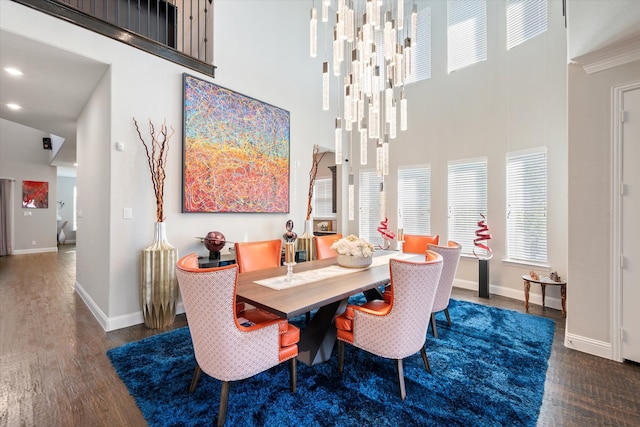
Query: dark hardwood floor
54	370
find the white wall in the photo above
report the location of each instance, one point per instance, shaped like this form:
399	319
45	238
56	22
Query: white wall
589	216
23	158
93	242
65	193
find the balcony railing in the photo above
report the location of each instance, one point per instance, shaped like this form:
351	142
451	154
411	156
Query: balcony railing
180	31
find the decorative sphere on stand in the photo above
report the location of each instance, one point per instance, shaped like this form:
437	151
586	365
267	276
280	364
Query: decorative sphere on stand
214	241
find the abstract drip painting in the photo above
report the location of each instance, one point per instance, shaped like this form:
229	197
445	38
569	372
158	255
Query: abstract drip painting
35	194
236	152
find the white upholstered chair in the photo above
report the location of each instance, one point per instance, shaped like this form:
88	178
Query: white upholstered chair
225	349
396	327
450	258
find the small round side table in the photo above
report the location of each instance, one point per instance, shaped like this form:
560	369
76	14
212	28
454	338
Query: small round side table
544	281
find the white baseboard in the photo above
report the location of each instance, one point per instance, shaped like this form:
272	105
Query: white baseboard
575	342
550	302
588	345
93	307
116	322
33	251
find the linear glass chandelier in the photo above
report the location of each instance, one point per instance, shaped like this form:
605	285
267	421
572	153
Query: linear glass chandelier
370	46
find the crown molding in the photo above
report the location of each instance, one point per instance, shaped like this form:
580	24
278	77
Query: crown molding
611	56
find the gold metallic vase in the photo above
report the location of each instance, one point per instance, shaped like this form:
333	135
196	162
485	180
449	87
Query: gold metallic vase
305	242
159	283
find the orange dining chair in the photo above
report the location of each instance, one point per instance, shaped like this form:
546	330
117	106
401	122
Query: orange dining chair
417	244
258	255
231	346
450	258
396	327
323	245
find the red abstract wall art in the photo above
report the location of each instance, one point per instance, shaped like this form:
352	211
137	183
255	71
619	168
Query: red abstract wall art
35	194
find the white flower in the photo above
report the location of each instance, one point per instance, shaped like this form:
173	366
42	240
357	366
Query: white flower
353	246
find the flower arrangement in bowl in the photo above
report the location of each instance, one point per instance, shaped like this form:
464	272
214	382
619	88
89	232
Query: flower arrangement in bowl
353	252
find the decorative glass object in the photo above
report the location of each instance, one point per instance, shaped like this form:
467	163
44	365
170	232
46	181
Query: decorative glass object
159	283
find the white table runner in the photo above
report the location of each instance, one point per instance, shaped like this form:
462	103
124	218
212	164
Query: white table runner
302	278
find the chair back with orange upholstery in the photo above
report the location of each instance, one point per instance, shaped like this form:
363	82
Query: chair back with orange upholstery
397	328
450	258
252	256
417	244
323	245
224	348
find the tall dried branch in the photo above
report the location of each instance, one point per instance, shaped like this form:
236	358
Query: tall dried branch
157	151
312	177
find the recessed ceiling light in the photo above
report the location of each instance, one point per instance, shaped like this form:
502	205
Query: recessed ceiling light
13	71
13	106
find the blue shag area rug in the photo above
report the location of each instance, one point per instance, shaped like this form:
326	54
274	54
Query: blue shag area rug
488	369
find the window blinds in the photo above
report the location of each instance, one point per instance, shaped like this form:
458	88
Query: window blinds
466	33
323	198
414	199
467	188
527	206
369	200
525	19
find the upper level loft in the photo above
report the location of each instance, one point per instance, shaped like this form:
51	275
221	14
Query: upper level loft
180	31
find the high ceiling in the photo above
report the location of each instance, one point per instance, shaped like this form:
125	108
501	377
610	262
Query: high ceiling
57	84
598	25
53	90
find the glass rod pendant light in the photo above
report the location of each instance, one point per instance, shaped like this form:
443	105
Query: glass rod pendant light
351	196
414	23
375	40
338	141
325	86
392	120
363	144
403	111
385	158
325	10
313	33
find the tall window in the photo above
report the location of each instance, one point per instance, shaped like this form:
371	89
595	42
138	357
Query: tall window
467	200
466	33
369	201
323	198
414	199
527	206
525	19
